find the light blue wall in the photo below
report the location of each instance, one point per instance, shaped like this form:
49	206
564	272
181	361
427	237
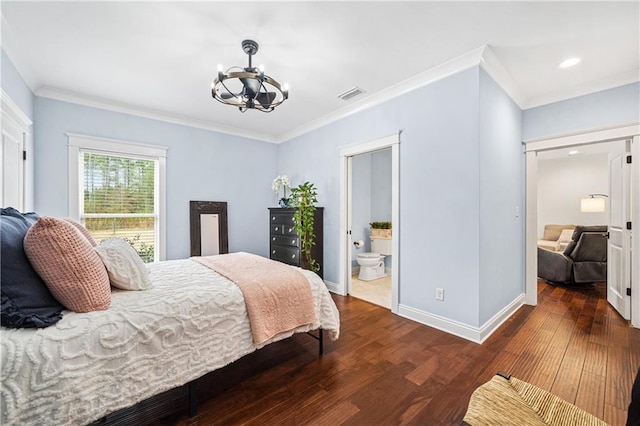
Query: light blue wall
501	232
381	190
601	109
361	203
15	87
381	186
201	165
439	196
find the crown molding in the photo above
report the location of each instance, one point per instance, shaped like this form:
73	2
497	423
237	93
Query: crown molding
587	88
436	73
12	110
490	63
94	102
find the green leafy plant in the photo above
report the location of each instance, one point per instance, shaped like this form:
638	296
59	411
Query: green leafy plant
304	198
145	250
380	225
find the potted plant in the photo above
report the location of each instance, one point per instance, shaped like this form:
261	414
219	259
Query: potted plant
380	229
284	183
304	199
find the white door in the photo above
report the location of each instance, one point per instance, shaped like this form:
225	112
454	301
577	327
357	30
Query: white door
11	161
619	243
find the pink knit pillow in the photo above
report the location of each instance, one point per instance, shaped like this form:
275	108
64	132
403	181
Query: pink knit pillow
83	230
68	264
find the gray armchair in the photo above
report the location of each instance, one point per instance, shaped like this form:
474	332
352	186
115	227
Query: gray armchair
583	261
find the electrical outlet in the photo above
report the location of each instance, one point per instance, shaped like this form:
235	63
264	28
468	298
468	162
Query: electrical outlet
439	294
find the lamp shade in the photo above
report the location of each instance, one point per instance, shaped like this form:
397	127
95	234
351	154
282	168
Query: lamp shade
592	205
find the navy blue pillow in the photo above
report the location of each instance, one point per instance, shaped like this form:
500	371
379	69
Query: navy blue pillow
26	300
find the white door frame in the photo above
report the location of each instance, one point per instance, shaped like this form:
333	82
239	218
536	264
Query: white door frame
393	142
532	147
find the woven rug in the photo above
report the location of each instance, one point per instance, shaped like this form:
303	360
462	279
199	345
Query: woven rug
503	401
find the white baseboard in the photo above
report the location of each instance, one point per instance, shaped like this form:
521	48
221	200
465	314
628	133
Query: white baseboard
496	321
474	334
332	287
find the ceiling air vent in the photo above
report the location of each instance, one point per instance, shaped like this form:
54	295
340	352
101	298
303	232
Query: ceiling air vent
351	93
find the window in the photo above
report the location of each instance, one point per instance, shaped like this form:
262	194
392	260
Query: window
119	200
116	189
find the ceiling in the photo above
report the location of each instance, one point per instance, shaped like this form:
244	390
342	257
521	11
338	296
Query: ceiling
158	59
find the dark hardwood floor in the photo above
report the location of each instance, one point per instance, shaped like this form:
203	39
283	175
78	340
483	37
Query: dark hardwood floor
388	370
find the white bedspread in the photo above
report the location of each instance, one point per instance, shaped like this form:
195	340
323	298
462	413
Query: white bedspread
90	364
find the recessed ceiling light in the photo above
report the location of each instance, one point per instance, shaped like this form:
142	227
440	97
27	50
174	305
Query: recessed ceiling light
569	62
574	152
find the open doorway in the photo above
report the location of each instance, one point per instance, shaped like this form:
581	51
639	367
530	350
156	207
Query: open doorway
375	153
574	211
371	229
625	209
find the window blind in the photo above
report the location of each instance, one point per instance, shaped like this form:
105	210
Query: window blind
119	199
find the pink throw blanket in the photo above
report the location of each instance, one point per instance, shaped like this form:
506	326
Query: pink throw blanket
278	298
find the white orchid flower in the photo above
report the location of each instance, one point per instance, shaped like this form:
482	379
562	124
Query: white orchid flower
275	185
281	182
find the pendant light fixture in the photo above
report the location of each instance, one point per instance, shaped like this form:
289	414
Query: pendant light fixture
592	204
248	88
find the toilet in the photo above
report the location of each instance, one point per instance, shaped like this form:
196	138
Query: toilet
372	264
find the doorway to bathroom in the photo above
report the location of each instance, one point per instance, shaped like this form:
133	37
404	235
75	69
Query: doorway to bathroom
370	185
371	229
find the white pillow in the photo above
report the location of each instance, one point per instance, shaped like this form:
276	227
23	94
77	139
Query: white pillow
565	235
126	269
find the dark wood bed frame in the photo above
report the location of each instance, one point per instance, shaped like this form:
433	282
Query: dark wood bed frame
193	385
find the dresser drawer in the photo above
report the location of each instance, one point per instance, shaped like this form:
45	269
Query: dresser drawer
289	231
285	241
277	229
280	229
285	254
281	218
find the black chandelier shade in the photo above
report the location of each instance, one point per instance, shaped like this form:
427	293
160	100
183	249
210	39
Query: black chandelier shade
248	88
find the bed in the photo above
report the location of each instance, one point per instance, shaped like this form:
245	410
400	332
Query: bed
193	321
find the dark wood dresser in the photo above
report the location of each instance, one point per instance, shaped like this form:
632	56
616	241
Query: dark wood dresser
284	242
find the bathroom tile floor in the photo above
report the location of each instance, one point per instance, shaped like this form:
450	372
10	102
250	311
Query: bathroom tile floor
376	291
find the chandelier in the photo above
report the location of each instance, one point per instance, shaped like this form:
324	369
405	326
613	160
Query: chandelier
248	88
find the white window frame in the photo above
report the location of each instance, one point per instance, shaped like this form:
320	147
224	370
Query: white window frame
80	143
